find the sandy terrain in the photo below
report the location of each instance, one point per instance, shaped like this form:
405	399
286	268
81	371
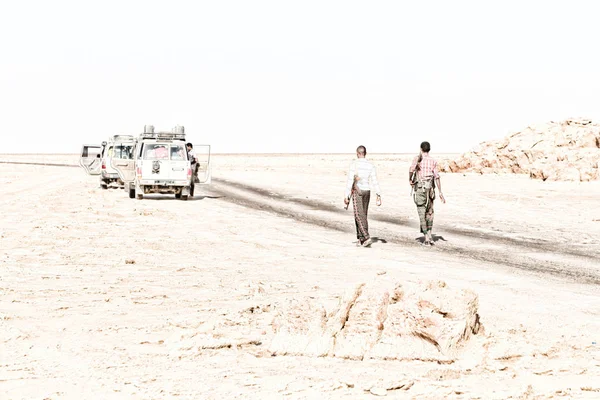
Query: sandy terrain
106	297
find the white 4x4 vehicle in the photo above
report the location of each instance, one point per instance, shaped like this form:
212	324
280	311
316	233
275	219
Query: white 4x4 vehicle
160	164
120	147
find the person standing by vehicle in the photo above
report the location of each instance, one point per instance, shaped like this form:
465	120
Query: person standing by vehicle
424	177
194	165
193	159
362	175
191	153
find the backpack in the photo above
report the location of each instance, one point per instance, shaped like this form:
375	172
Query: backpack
423	189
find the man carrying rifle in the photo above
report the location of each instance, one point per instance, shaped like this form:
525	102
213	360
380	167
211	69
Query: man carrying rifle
424	178
361	176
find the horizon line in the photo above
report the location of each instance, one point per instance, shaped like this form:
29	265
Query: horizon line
237	154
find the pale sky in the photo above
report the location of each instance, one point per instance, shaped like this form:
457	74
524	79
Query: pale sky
293	76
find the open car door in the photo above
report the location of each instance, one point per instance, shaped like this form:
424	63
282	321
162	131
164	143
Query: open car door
123	161
91	158
204	171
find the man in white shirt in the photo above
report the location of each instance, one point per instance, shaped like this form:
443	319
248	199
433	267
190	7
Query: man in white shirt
362	176
194	165
191	153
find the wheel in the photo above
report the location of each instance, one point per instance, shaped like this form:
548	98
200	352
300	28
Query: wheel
138	192
178	195
132	193
104	186
184	197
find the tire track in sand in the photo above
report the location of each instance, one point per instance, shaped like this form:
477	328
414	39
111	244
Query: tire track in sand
528	244
509	257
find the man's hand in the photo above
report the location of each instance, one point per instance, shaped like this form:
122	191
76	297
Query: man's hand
378	201
346	201
442	198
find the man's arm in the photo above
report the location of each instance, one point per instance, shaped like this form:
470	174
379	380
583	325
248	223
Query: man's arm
350	180
438	182
374	181
375	185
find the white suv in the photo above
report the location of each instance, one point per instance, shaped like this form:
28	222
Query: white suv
120	147
160	164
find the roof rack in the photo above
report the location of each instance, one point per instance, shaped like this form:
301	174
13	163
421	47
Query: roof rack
163	136
122	138
177	133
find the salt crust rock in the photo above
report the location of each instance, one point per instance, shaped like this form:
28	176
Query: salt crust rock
402	321
556	151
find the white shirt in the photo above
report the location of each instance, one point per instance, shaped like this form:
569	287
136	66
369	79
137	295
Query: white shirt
192	156
367	176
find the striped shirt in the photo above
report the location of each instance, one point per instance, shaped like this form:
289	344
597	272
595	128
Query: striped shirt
428	167
367	174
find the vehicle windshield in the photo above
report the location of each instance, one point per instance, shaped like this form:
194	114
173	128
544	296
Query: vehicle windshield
164	152
123	152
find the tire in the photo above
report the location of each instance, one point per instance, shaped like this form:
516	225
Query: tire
139	193
178	195
184	197
104	186
132	193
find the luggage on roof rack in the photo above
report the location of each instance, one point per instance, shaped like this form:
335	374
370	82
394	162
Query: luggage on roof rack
122	138
177	133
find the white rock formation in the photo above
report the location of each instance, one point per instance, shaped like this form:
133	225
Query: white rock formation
556	151
426	321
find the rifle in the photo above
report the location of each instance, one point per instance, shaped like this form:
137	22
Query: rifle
356	179
414	174
412	180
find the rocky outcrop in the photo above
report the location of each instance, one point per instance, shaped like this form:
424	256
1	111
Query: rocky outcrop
556	151
408	321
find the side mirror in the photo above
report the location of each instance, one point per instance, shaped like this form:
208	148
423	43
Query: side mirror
104	143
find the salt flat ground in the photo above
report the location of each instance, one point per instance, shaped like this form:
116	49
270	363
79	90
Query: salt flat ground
102	296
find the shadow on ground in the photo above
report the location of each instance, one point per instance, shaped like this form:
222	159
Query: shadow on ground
421	239
172	197
378	240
